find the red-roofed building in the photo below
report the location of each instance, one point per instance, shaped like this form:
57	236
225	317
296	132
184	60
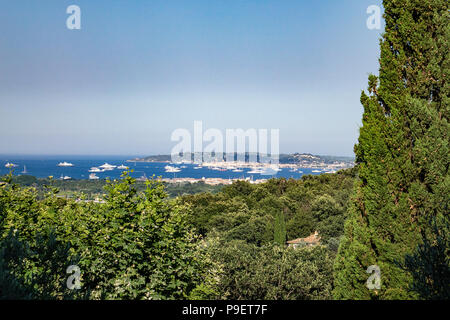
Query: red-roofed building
312	240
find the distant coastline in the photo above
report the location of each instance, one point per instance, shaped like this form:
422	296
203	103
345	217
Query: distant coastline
291	161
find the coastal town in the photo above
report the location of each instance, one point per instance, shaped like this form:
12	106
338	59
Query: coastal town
295	163
211	181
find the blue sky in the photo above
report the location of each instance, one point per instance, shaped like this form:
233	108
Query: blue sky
137	70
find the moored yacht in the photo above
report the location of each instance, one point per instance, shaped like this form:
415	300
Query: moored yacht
172	169
108	167
65	164
122	167
270	171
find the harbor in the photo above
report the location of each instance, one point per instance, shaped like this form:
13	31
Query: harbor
212	173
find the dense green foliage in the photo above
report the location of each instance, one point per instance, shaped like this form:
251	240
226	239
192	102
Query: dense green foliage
246	227
429	264
273	272
93	189
35	272
402	153
136	245
140	244
275	211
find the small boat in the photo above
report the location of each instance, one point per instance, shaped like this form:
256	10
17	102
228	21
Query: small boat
316	171
65	164
24	169
238	170
122	167
95	169
256	170
65	177
218	169
92	176
10	165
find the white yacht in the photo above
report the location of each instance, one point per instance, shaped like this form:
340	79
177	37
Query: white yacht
238	170
24	170
65	177
316	171
122	167
270	171
172	169
92	176
95	169
107	166
10	165
65	164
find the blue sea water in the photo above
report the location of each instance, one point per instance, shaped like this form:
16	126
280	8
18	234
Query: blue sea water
45	166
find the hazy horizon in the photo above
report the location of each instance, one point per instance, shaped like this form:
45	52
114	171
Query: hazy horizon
132	156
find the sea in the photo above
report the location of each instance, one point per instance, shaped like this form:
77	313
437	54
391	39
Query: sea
45	166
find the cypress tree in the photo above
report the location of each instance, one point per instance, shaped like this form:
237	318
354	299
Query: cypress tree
402	152
280	229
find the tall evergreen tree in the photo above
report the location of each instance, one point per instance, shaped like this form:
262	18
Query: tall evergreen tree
402	153
280	229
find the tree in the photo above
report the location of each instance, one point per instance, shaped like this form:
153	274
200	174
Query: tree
279	235
329	217
429	264
273	272
136	245
36	270
402	152
141	246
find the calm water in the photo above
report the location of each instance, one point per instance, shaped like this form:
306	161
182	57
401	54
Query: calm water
43	167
